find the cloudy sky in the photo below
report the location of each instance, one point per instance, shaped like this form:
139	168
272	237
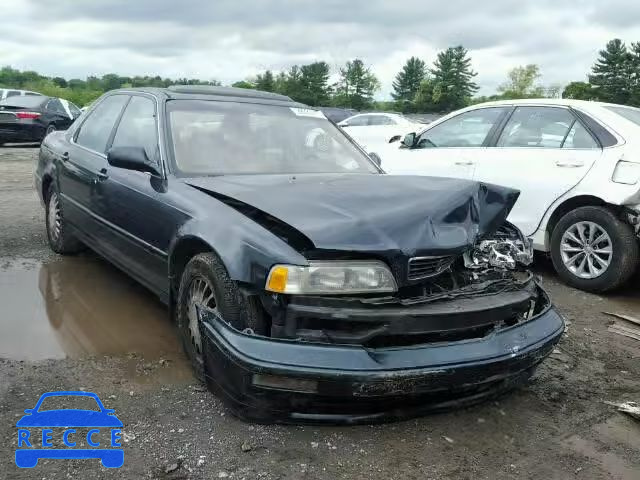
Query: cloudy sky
232	40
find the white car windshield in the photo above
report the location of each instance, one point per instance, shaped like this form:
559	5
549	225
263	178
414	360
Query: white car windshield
630	113
227	138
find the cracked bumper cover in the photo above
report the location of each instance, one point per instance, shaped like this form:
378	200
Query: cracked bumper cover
353	384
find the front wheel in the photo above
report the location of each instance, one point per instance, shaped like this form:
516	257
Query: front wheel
205	283
593	250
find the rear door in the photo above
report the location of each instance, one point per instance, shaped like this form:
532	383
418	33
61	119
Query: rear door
79	167
128	203
448	149
543	151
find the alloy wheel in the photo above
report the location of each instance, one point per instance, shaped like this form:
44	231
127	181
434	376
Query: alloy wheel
200	294
54	217
586	249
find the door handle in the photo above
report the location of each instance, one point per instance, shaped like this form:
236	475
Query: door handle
102	174
569	163
464	162
64	157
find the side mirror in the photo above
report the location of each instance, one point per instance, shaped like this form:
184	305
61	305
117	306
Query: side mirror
343	124
409	140
375	159
395	138
28	410
131	158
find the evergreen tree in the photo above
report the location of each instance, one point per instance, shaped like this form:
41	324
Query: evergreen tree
356	86
314	84
265	82
634	69
407	82
611	74
453	84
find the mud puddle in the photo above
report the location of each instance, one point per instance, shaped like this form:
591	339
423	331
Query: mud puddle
79	306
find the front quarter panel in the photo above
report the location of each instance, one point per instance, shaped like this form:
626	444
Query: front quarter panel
247	249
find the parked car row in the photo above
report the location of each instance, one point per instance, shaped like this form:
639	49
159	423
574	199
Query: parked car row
575	163
29	117
306	285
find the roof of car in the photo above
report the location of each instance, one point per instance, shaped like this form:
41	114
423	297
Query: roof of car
205	92
545	101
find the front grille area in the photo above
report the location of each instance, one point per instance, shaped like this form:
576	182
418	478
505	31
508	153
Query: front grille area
425	267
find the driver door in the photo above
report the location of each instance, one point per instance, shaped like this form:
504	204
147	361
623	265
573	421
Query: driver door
450	148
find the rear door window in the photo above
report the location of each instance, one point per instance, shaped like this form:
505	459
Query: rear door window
96	130
536	127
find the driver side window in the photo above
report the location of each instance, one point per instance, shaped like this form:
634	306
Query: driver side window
469	129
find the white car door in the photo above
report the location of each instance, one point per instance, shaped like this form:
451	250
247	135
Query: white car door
543	151
447	149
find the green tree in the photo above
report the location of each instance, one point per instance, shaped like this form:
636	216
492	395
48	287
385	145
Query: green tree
356	86
423	101
314	84
265	82
611	75
243	84
634	70
407	83
522	83
453	84
579	91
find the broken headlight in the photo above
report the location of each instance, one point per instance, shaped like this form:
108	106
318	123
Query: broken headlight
331	277
506	249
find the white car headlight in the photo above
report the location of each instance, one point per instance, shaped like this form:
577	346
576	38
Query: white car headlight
332	277
626	172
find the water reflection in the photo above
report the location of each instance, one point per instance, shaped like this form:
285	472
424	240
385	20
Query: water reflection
79	306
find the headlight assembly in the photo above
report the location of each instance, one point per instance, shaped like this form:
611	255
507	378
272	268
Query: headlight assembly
332	277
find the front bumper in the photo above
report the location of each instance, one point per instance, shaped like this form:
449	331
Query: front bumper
319	383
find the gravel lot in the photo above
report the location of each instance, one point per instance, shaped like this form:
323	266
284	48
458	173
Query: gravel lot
76	323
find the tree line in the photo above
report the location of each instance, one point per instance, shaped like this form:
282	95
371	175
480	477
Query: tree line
446	85
615	77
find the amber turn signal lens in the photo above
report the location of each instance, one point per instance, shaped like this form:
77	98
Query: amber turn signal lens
277	281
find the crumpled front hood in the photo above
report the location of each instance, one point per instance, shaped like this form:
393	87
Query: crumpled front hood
414	215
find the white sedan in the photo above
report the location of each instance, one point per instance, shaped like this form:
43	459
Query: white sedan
576	164
370	130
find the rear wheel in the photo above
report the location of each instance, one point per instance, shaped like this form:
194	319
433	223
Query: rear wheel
61	238
593	250
206	283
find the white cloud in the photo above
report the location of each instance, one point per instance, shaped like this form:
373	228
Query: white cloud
231	40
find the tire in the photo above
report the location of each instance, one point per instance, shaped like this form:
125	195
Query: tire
622	243
222	295
61	238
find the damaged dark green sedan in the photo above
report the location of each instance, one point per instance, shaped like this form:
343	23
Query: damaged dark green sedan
306	285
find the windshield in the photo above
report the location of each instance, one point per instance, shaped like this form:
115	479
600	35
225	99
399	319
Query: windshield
631	114
227	138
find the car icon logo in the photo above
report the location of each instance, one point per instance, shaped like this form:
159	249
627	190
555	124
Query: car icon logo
82	433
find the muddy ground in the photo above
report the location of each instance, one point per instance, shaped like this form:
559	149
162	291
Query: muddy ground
77	323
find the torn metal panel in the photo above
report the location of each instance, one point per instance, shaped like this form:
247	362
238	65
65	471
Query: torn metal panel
376	214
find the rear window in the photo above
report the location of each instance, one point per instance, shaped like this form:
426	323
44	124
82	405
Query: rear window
24	101
630	113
